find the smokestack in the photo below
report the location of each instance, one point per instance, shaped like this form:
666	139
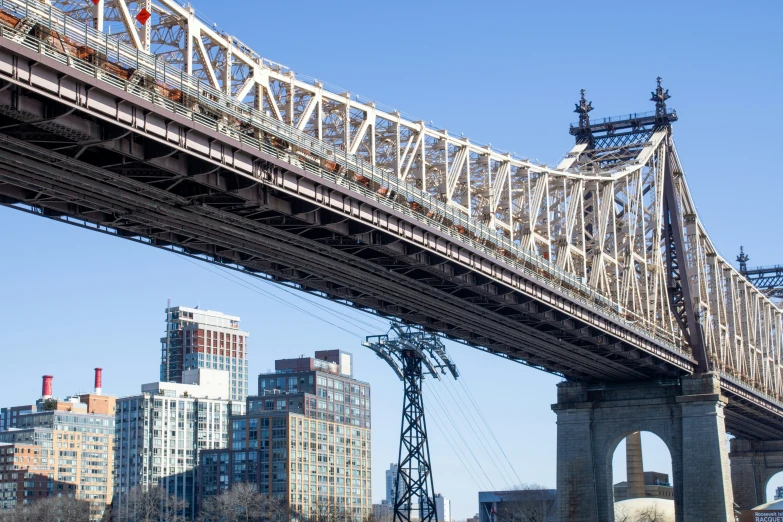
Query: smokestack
46	391
98	380
634	465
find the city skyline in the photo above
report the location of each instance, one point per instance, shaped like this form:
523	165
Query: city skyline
71	291
444	458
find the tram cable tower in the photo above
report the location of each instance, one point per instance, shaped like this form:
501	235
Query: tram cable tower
412	353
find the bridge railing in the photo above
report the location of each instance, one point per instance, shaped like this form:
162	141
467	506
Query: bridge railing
622	117
764	269
148	68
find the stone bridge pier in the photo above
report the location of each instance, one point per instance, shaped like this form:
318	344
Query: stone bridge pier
687	414
753	463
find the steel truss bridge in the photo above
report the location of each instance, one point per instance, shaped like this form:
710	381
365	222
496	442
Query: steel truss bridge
768	279
598	270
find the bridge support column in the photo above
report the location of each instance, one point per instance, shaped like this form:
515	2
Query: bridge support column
686	414
753	463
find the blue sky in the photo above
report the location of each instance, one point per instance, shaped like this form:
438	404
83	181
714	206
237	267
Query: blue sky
504	72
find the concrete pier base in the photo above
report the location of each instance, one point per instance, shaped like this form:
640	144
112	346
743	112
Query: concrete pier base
753	464
686	414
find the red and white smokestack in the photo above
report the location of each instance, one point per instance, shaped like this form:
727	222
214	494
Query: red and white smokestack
46	391
98	380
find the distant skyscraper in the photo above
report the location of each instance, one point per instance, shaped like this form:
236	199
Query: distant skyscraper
391	484
204	339
442	508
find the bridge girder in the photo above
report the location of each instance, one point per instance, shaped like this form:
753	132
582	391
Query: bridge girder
550	266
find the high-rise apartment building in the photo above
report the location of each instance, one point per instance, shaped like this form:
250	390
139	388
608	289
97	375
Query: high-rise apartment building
9	416
391	485
305	439
161	432
204	339
60	448
26	475
442	508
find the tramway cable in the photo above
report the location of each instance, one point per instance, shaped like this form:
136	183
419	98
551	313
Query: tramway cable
491	432
459	434
481	438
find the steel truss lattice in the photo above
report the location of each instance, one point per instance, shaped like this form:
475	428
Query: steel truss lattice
597	219
411	353
769	279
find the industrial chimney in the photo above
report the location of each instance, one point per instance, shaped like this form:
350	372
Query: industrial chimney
46	392
634	465
98	380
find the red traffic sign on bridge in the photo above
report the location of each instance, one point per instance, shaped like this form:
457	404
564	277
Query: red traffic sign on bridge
143	16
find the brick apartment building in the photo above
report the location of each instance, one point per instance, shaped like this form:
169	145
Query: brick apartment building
305	439
59	447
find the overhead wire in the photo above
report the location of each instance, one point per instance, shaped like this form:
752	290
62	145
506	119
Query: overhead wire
358	323
303	295
254	288
455	449
458	433
492	433
300	295
481	437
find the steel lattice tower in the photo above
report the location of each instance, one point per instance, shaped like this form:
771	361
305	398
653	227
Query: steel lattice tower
414	471
411	354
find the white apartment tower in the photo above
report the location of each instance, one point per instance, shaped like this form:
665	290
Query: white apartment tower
160	433
443	508
204	339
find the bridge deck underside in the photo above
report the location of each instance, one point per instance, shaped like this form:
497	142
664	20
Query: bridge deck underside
144	189
60	160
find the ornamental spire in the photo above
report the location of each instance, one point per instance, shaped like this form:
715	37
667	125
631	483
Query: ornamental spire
743	259
659	96
582	108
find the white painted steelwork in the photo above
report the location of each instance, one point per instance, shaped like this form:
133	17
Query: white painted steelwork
592	226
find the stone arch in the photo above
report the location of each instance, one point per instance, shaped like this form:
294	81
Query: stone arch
686	414
753	464
661	422
771	473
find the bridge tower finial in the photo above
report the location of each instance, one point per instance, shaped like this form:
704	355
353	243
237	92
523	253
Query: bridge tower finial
583	108
659	96
743	259
584	132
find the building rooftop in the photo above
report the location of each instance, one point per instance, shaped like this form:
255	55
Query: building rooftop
201	383
337	362
206	317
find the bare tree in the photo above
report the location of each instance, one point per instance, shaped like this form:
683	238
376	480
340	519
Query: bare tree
152	504
50	509
652	513
216	509
530	504
621	514
243	503
273	509
247	501
649	513
72	510
328	513
108	513
385	517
